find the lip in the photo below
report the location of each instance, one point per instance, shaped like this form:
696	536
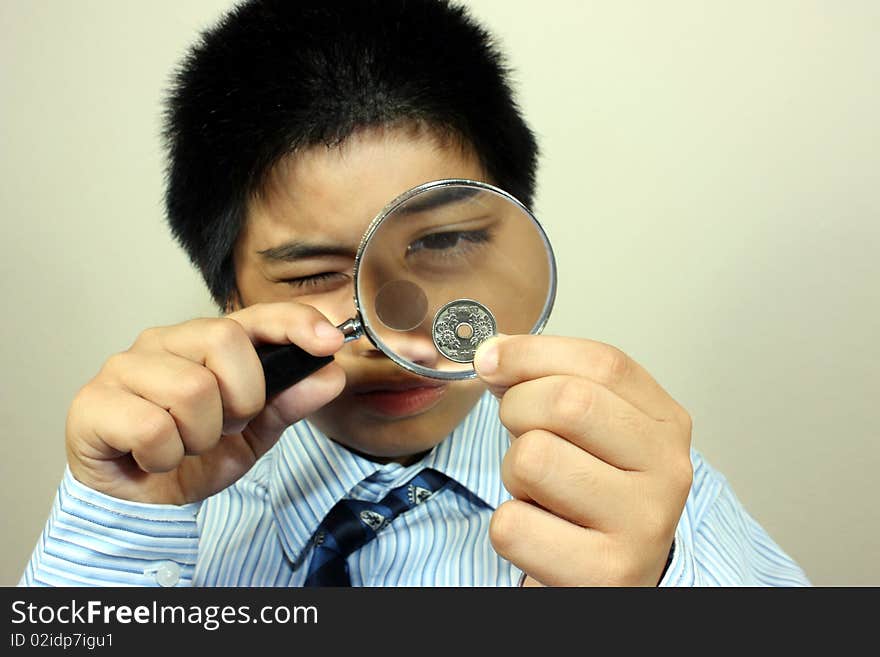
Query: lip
400	398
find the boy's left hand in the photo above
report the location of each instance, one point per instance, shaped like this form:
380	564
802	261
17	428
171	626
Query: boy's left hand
599	466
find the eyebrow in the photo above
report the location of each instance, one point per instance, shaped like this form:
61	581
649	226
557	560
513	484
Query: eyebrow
437	199
298	250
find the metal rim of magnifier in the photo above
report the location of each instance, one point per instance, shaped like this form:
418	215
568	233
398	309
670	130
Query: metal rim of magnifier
361	325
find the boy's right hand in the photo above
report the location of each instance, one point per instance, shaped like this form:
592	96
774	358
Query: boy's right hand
182	414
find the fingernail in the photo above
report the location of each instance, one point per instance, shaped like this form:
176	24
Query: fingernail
326	330
486	358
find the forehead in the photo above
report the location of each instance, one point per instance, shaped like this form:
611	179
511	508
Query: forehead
330	194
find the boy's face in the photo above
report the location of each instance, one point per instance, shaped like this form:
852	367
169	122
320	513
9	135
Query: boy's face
319	202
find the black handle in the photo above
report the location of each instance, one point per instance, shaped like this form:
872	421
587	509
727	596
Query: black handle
286	364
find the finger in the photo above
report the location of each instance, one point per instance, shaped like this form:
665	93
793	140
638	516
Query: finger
137	427
551	550
290	322
504	361
225	346
590	416
567	481
292	405
225	349
186	390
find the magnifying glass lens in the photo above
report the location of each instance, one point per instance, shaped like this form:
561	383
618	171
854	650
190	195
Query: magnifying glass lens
447	266
441	269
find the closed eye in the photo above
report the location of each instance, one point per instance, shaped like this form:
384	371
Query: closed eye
325	280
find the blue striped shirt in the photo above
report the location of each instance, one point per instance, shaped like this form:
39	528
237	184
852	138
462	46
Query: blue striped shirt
258	531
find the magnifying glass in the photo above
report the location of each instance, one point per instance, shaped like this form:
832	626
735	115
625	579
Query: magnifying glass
441	268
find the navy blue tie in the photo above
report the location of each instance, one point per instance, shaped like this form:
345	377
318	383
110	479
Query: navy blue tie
351	524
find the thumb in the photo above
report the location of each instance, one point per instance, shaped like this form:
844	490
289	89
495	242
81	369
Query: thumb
292	405
486	362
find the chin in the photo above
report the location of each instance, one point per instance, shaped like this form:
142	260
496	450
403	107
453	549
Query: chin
387	441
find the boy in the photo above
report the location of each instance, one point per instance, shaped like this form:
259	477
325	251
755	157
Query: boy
290	126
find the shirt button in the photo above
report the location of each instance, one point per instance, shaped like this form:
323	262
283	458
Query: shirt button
168	573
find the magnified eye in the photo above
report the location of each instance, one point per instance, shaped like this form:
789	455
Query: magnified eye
454	242
443	267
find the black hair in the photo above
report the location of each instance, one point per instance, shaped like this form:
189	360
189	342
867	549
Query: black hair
273	76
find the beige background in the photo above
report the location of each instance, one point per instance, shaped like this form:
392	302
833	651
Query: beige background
710	182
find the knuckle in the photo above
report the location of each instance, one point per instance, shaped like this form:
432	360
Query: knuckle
154	428
148	336
574	399
503	527
685	420
79	408
529	458
584	480
223	333
115	364
83	396
248	406
194	386
683	474
309	312
613	365
507	409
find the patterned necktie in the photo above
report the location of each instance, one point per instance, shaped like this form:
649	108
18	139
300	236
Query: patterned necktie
351	524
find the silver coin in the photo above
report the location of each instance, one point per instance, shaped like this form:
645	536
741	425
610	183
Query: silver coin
459	328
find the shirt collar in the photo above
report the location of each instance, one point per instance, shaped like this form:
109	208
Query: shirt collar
313	472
